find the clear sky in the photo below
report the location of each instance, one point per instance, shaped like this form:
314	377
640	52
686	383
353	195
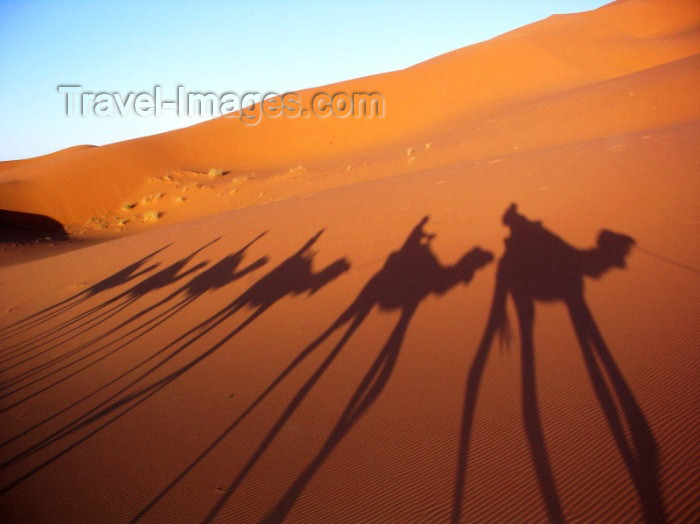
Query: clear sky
275	45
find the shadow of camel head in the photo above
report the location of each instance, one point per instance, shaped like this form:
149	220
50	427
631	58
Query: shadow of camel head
329	274
471	261
613	248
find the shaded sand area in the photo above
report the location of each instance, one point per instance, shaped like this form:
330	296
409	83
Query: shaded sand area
321	345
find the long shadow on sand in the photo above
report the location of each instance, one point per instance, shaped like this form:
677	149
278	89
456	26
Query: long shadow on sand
408	276
65	364
538	265
91	318
294	276
216	276
121	277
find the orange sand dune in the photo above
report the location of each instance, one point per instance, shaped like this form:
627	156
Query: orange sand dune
557	54
73	376
311	337
12	164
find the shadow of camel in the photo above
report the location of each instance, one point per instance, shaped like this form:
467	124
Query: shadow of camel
293	276
408	276
89	319
538	265
216	276
121	277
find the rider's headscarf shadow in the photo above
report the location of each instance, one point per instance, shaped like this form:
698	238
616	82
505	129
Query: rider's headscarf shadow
538	265
408	276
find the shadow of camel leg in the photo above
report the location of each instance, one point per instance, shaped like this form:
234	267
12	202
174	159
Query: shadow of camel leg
122	397
366	393
85	348
344	318
286	415
89	395
48	314
531	413
641	458
471	393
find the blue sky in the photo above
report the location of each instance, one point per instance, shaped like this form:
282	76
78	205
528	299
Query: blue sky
129	46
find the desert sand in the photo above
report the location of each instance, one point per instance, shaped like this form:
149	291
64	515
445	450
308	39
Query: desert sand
310	336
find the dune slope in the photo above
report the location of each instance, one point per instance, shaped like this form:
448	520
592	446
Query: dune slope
558	54
321	353
145	374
